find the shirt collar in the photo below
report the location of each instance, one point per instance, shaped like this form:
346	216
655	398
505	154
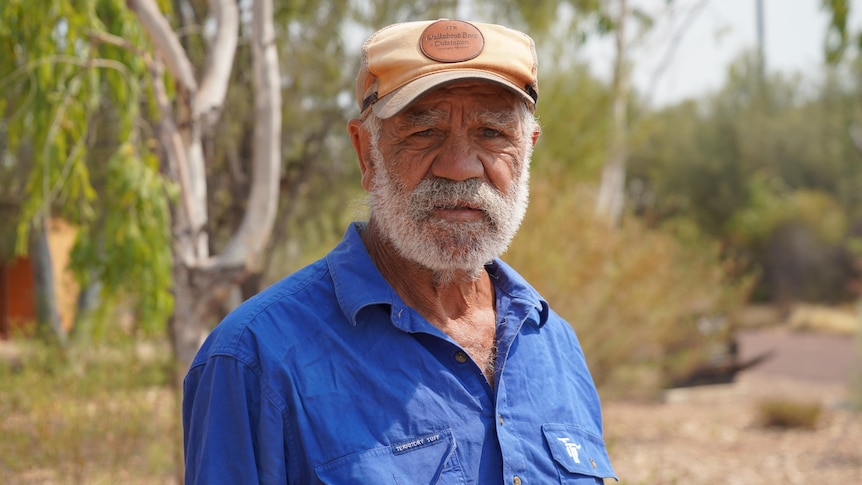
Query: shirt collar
359	284
516	288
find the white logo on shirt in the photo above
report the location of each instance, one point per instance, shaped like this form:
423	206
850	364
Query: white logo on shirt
571	448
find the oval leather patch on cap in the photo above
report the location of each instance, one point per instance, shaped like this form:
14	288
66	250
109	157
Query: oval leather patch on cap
451	41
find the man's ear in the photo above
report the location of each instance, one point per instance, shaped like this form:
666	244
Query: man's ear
536	134
361	140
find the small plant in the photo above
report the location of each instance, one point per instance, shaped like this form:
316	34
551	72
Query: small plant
786	414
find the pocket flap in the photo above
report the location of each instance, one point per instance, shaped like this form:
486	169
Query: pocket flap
578	451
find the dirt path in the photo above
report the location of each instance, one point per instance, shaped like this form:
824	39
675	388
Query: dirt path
711	434
819	357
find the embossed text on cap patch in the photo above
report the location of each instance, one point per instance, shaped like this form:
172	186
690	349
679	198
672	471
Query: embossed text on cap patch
451	41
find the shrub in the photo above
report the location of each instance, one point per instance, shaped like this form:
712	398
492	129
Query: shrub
779	413
635	295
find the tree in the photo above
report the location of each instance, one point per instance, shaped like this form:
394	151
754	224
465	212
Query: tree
768	170
620	18
611	197
569	23
56	84
198	277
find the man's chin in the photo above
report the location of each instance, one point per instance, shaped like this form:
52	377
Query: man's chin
453	249
455	259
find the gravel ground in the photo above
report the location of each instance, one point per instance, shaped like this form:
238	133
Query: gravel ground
711	434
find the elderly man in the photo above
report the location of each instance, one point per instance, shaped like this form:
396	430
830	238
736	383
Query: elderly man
410	353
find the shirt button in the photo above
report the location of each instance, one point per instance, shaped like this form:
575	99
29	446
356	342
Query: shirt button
516	480
461	356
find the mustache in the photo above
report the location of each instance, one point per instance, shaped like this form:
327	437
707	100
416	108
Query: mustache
439	193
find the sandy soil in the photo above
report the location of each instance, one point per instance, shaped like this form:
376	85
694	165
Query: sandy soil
712	434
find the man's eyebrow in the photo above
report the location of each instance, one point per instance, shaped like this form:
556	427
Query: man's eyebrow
495	119
428	117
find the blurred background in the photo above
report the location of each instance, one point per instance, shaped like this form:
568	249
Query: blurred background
696	215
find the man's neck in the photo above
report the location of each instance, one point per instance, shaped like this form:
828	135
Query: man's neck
461	304
435	295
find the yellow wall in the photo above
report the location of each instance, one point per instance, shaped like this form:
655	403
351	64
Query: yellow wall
61	238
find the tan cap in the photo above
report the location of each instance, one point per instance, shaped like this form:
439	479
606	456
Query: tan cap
404	61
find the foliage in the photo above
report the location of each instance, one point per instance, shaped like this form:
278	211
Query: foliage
635	296
786	414
755	159
772	206
574	125
837	36
137	273
76	141
100	414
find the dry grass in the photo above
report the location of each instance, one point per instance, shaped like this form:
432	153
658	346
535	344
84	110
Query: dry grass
87	416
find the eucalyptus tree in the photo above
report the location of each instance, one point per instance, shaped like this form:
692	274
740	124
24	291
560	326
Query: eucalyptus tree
148	236
199	277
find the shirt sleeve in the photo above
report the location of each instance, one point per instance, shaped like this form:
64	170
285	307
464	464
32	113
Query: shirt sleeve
232	432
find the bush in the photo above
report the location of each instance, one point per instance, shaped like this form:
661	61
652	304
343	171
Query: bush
648	305
778	413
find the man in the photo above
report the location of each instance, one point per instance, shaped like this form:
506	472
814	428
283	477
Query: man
410	353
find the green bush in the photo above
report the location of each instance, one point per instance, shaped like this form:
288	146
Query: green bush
780	413
635	295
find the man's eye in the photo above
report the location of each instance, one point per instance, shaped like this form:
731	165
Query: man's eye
491	132
423	133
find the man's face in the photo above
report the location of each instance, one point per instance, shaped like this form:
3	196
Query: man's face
450	177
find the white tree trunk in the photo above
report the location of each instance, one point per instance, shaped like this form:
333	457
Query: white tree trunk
250	241
611	199
202	280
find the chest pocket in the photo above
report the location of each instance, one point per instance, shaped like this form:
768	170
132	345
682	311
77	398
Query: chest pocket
427	459
578	454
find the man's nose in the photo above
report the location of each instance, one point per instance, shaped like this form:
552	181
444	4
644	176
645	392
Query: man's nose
458	159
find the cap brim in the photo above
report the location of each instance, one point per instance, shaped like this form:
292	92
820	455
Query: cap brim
394	102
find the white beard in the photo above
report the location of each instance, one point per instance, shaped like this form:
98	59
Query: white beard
407	221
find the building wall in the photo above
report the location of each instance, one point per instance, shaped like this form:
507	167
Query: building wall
20	304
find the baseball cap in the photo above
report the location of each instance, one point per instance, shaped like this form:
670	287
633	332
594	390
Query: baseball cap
403	61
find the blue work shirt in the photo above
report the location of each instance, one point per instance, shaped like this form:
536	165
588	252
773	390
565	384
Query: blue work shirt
329	377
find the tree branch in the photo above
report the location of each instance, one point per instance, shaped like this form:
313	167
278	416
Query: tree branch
209	100
165	41
669	54
248	244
